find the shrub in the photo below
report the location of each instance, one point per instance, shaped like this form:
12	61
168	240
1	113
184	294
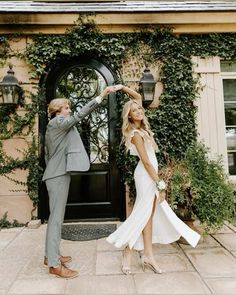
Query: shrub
4	223
199	188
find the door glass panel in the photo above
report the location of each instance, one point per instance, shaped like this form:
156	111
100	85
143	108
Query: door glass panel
232	163
230	114
229	87
231	138
80	84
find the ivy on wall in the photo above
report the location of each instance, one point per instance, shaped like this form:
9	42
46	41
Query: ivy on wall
173	123
14	124
83	39
4	49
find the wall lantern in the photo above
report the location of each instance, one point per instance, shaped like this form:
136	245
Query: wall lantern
147	87
10	90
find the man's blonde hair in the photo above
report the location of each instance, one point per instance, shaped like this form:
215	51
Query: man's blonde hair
56	104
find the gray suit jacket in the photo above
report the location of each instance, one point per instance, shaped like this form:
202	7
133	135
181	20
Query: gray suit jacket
64	149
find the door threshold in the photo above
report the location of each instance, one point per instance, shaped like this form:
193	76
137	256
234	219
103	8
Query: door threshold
93	220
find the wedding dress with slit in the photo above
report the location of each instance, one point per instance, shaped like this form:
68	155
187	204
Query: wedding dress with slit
166	227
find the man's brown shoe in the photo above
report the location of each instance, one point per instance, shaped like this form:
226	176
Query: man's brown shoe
63	260
63	272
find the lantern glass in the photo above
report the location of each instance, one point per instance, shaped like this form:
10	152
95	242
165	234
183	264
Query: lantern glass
9	94
147	86
148	91
10	90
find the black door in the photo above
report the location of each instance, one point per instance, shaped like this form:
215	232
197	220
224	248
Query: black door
98	192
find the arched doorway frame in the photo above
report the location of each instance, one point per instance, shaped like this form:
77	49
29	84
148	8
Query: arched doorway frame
114	206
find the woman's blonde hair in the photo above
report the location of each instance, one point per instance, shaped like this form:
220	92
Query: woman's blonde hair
128	125
56	104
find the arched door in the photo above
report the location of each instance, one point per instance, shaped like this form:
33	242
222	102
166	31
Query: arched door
96	193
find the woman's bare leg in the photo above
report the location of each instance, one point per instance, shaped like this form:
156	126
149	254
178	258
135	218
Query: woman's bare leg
126	261
147	234
148	258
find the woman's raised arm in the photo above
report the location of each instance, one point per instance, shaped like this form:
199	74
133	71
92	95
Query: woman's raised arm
135	95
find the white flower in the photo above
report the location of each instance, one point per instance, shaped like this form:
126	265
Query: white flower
161	185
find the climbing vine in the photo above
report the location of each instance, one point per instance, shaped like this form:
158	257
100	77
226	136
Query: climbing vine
173	122
83	39
4	49
12	123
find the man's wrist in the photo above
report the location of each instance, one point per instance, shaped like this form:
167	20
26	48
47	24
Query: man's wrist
99	99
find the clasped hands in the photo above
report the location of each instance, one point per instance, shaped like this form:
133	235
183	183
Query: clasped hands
110	89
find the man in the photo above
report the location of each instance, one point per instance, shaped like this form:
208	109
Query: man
64	153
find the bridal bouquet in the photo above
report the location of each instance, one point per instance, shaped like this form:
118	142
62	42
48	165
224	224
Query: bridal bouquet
161	185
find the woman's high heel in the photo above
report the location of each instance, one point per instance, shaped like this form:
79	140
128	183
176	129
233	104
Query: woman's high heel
146	262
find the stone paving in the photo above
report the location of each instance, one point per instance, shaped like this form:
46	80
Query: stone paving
210	268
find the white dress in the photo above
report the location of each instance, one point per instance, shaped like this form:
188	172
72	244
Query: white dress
166	227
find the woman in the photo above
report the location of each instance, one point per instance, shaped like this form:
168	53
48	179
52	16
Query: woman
64	153
151	220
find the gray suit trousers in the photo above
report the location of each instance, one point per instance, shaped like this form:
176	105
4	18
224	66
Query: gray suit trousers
58	189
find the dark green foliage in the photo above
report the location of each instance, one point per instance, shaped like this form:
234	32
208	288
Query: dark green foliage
198	187
83	39
4	223
211	189
127	164
214	44
4	49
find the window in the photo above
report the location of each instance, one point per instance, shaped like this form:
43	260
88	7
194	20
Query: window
228	70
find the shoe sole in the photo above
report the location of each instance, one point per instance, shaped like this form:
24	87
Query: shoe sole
60	277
